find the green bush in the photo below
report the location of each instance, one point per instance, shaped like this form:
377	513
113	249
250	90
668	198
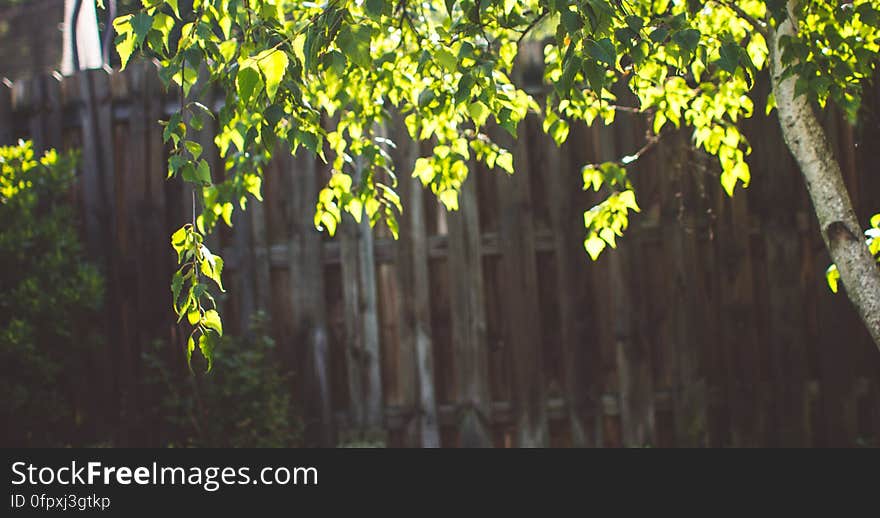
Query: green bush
50	302
243	402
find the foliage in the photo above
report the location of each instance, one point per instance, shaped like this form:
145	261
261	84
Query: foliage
244	403
50	299
288	67
197	260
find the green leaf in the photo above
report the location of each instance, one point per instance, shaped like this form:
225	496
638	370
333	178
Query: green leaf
771	103
479	112
595	75
355	44
218	270
375	8
832	275
446	60
227	49
628	198
188	173
141	23
212	321
425	97
173	129
125	47
594	246
868	14
635	23
659	34
602	51
273	67
327	220
449	199
190	347
194	148
505	162
213	269
728	181
569	71
729	60
607	235
204	172
687	40
248	83
164	24
175	162
559	131
178	242
207	343
571	20
424	171
173	4
176	286
125	41
193	315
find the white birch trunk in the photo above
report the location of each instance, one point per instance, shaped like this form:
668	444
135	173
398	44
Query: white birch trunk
88	43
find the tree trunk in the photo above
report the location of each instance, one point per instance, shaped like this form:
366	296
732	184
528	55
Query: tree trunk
81	49
840	228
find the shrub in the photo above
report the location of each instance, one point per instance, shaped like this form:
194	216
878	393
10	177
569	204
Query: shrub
50	301
243	402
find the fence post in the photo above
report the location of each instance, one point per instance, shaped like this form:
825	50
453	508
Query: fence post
414	283
563	179
99	197
738	327
260	250
633	353
683	286
516	242
54	114
363	354
306	269
31	94
468	319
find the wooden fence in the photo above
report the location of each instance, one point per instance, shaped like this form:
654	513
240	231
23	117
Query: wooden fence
711	325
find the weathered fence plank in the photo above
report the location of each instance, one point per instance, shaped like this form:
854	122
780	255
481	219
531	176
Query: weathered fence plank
738	326
470	348
684	288
53	116
306	269
520	297
635	389
362	328
414	283
568	255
